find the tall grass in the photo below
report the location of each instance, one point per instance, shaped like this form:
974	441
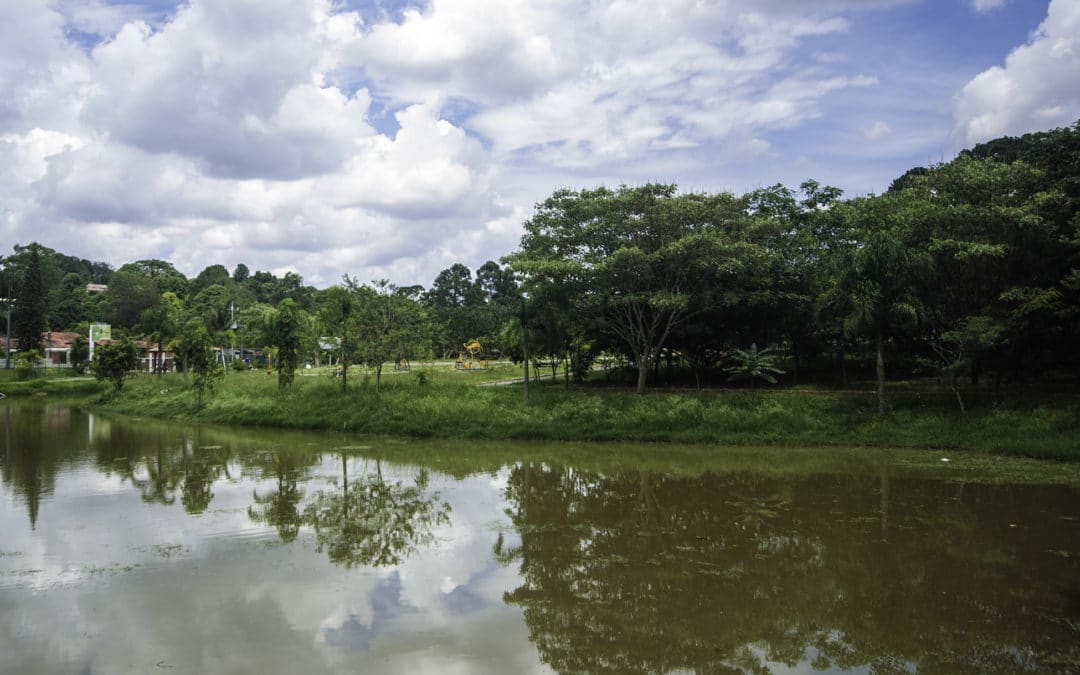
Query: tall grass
451	405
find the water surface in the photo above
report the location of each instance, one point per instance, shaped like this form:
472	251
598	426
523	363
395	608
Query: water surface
134	546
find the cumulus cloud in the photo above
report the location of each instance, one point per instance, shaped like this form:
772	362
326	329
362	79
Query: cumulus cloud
103	19
876	131
233	85
618	81
483	50
986	5
428	169
25	156
299	135
40	71
1036	89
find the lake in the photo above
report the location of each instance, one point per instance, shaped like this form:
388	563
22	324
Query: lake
139	546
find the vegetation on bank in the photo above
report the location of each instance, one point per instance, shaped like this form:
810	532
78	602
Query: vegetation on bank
450	405
966	273
968	270
48	382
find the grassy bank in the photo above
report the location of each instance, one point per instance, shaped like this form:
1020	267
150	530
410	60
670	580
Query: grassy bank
53	383
452	405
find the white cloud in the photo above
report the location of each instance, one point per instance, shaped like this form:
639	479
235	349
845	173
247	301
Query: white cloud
876	131
610	82
986	5
292	134
103	18
40	71
427	170
1037	88
25	156
483	50
235	86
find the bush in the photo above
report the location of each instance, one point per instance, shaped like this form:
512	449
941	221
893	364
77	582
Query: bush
115	361
25	364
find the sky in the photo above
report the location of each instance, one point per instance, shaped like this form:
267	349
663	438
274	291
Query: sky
387	139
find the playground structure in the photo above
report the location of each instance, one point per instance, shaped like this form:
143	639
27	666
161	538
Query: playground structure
473	358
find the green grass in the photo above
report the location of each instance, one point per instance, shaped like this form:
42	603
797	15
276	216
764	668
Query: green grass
51	382
453	406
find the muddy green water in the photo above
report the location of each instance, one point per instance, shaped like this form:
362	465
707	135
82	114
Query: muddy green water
134	546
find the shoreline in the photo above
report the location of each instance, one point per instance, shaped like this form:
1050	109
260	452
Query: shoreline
452	407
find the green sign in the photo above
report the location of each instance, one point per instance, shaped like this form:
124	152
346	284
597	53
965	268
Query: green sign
100	331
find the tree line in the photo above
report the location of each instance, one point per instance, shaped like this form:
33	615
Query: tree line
964	269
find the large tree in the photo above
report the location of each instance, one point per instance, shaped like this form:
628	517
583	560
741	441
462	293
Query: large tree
215	307
285	327
336	318
160	322
881	279
30	315
456	302
195	349
386	323
635	256
131	292
166	277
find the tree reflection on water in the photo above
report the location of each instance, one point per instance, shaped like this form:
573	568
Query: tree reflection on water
280	507
648	573
373	521
881	569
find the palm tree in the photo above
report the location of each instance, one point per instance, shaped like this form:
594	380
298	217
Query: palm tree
753	365
877	291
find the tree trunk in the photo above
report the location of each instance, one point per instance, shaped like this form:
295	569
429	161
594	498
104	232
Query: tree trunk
525	366
956	390
883	407
841	354
796	362
643	373
185	371
345	481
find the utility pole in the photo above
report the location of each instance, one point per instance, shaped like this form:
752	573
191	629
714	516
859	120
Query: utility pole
7	344
525	349
235	326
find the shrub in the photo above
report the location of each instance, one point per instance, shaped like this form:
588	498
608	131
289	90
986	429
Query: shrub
25	364
115	361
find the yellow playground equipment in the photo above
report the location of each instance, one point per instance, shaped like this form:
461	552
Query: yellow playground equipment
472	358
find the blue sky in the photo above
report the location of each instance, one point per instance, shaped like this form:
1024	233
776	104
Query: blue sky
387	139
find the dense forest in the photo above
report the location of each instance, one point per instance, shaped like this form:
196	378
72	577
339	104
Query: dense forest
965	269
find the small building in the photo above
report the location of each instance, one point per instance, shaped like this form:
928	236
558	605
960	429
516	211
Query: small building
150	359
96	288
57	347
154	361
55	344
